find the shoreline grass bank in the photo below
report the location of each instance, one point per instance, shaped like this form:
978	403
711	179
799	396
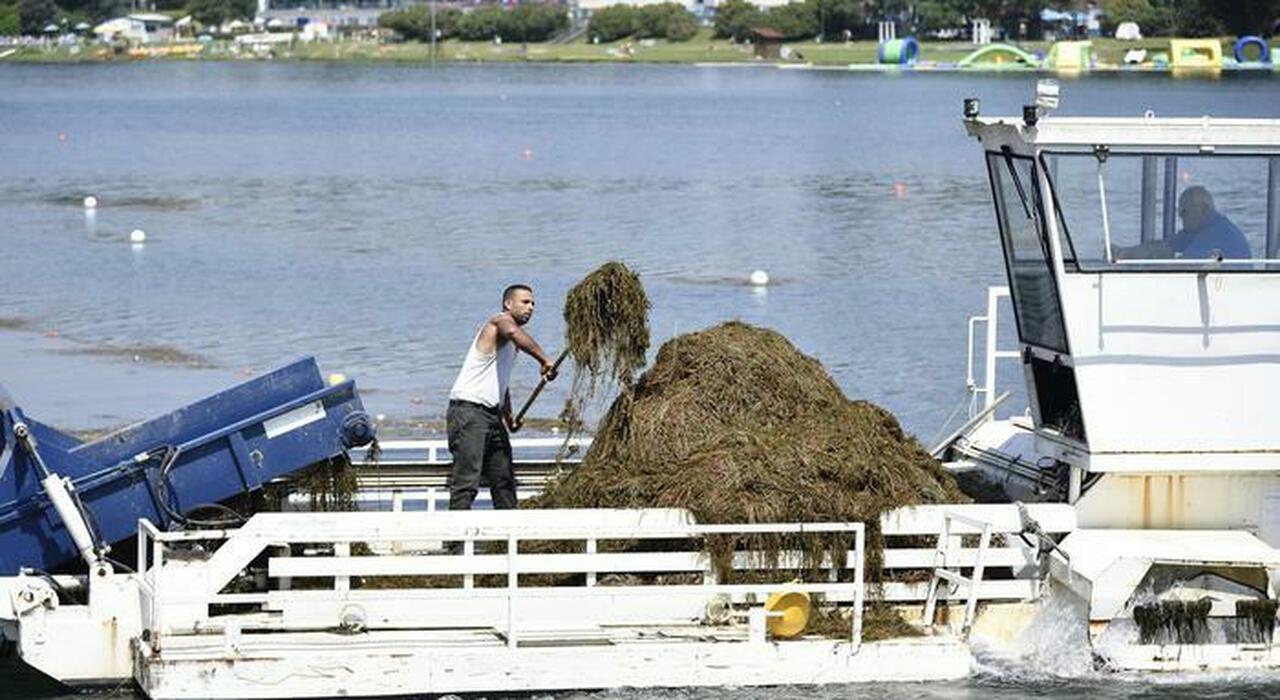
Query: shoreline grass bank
702	49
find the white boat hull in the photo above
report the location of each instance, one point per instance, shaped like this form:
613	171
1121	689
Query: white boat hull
412	663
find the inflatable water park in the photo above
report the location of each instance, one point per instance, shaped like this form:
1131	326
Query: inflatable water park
1077	56
1248	53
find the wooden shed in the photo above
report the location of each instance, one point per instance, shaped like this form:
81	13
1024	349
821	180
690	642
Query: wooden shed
767	42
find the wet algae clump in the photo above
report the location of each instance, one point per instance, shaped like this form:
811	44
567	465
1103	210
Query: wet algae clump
1256	620
606	318
736	425
1173	621
331	484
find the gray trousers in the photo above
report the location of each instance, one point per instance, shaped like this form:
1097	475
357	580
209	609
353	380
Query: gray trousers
480	448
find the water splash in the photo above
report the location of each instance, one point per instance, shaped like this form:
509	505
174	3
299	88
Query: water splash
1054	646
1052	657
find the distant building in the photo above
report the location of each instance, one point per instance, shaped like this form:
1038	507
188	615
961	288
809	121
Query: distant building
361	14
142	28
767	42
156	27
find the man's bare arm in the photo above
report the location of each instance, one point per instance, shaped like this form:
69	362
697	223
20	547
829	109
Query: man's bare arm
508	329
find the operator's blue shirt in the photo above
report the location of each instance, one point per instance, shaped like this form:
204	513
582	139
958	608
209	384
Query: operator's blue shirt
1217	233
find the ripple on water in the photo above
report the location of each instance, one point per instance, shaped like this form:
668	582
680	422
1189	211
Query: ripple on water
721	280
14	323
153	354
151	203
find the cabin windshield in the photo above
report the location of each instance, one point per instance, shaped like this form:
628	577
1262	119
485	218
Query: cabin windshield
1020	213
1166	212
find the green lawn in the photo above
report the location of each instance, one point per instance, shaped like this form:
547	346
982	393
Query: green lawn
701	49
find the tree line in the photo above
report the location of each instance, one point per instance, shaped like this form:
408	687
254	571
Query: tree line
31	16
523	22
831	19
668	20
1017	18
734	18
1197	17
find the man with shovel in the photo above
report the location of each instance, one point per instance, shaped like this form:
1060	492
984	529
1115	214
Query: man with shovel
479	415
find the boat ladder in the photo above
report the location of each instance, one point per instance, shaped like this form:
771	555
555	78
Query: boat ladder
946	567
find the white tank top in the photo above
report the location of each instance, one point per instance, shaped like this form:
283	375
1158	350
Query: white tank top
484	377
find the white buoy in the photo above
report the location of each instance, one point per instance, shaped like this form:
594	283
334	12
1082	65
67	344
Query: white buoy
137	236
760	278
91	202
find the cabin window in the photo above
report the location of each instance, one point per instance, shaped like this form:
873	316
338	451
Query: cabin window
1020	214
1166	212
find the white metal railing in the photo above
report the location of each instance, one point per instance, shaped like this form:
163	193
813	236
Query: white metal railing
421	464
992	352
393	498
177	594
1016	558
437	451
178	591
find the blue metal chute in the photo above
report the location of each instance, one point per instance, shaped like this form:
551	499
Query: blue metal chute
227	444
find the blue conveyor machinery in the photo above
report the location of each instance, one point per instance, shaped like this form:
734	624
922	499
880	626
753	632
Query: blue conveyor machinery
62	499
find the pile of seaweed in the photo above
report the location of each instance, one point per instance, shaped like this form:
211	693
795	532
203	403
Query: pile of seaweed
738	426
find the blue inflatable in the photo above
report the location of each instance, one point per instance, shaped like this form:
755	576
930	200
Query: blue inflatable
1264	51
902	52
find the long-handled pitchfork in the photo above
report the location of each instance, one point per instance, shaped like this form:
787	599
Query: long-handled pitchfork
519	419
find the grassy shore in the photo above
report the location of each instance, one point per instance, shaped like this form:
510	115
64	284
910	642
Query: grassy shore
701	49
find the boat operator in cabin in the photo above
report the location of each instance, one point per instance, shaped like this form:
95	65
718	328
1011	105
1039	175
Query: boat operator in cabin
1206	233
479	415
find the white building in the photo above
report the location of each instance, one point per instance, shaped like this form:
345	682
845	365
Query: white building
142	28
334	15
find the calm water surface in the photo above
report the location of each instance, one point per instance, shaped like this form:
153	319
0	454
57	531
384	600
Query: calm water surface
370	215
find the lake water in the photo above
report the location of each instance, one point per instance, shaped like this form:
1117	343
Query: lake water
370	215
